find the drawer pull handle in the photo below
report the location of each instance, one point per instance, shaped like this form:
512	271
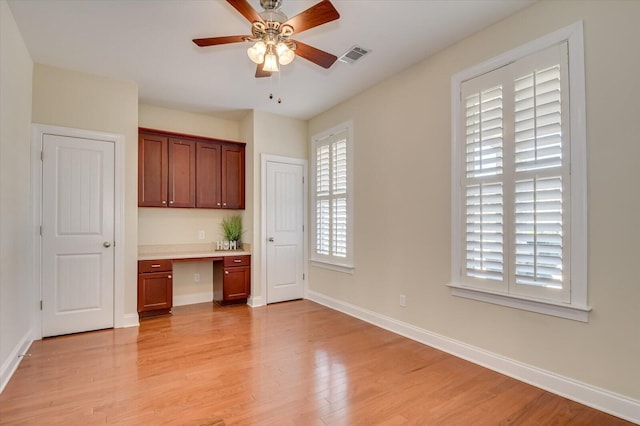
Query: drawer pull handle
237	260
155	266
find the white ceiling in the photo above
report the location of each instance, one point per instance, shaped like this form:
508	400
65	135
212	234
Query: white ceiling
149	42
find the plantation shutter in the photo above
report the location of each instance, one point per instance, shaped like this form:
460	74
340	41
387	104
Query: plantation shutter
483	196
332	196
538	141
515	177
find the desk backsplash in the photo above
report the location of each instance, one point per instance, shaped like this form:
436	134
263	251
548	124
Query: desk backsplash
157	226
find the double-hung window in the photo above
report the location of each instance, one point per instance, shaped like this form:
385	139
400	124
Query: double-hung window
332	199
519	178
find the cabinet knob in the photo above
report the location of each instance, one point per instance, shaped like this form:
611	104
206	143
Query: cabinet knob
226	272
107	244
224	204
169	276
164	202
171	202
218	203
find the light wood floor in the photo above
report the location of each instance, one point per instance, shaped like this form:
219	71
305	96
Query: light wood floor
295	363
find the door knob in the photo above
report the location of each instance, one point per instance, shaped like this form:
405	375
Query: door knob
107	244
270	239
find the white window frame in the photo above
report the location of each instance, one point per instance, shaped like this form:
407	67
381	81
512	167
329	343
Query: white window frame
340	264
576	308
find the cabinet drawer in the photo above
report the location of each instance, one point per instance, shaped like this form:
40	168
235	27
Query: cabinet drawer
237	261
154	266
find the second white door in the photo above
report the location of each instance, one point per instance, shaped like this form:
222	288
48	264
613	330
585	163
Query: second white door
284	230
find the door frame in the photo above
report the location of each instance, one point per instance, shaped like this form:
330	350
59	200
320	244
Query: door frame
37	137
270	158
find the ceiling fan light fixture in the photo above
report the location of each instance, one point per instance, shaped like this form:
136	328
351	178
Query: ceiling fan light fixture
270	62
285	54
256	52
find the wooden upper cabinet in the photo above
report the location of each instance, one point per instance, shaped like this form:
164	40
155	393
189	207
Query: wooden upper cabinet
233	177
153	166
176	170
182	173
208	175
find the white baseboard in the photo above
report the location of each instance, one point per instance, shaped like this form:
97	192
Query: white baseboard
130	320
592	396
13	360
254	302
190	299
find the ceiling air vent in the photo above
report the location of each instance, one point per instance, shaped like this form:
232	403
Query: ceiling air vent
353	54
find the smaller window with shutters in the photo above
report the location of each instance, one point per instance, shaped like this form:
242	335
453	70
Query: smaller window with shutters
332	199
519	178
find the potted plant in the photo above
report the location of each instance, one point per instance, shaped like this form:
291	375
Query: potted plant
232	230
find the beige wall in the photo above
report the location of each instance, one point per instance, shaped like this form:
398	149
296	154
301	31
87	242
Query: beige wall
188	122
273	134
17	297
402	201
73	99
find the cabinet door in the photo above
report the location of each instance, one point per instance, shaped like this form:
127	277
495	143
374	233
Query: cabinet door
208	175
155	291
232	177
152	170
236	283
182	173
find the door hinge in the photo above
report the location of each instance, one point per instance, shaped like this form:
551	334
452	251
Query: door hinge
41	230
303	180
41	155
41	305
302	277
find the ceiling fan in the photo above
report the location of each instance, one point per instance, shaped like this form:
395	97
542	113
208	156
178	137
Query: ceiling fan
271	31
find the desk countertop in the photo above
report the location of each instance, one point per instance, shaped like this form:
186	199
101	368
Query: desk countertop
187	251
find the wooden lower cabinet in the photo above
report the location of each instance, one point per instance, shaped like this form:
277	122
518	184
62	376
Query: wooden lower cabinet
232	280
155	287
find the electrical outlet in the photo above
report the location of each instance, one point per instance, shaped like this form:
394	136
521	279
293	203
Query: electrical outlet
201	235
403	300
196	278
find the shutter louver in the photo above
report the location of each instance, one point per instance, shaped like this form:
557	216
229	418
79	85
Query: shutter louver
538	125
339	167
538	234
484	132
322	170
340	227
323	226
484	240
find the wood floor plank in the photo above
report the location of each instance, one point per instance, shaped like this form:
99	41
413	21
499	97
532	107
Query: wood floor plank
294	363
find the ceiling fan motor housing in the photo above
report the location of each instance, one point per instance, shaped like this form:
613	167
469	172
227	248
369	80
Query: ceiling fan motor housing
270	4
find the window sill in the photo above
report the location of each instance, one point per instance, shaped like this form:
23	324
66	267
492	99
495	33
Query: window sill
572	312
347	269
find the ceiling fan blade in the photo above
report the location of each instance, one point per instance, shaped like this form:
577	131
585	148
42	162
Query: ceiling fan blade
318	14
245	10
317	56
262	73
213	41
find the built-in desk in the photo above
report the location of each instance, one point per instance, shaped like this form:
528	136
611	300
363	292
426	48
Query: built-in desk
231	275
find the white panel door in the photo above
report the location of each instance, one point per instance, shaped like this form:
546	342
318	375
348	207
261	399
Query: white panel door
285	235
77	234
